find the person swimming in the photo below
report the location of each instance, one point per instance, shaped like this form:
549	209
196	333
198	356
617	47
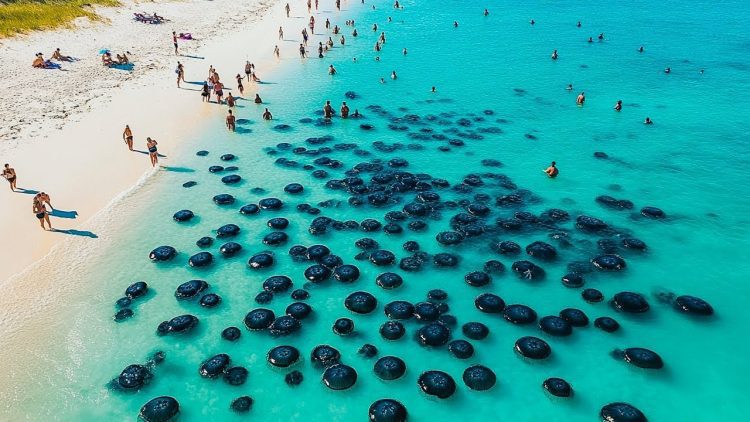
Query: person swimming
640	49
433	89
554	55
581	98
569	87
405	52
552	170
648	121
601	36
618	105
331	70
486	12
532	22
578	25
393	75
668	70
591	39
455	24
267	115
356	113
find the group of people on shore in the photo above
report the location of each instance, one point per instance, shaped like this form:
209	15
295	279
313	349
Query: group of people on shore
39	203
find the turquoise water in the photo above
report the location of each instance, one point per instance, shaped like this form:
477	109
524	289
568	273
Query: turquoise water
691	163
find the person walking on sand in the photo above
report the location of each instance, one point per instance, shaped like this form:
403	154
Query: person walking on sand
180	71
41	213
248	70
267	115
230	100
152	152
230	120
288	9
302	51
43	197
581	98
9	173
552	171
276	51
281	33
174	41
127	136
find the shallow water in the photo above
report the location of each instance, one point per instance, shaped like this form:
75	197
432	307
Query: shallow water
690	164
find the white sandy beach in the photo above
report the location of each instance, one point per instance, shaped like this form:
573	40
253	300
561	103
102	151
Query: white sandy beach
61	131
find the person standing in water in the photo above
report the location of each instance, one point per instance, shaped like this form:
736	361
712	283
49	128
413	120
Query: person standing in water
618	105
554	55
648	121
230	120
331	70
152	152
328	110
267	115
486	12
127	136
219	91
9	173
302	51
552	171
240	87
581	98
344	110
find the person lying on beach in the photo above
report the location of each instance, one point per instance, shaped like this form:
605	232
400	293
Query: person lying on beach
9	173
107	59
152	152
230	121
230	100
58	56
38	62
41	213
267	115
206	93
258	100
552	171
127	136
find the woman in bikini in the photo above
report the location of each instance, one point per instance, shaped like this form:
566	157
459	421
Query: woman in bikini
206	94
127	136
9	173
41	213
152	153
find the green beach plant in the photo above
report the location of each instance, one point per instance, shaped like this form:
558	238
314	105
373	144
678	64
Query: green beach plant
22	16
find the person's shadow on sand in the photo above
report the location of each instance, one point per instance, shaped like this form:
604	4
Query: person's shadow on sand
26	191
63	214
73	232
